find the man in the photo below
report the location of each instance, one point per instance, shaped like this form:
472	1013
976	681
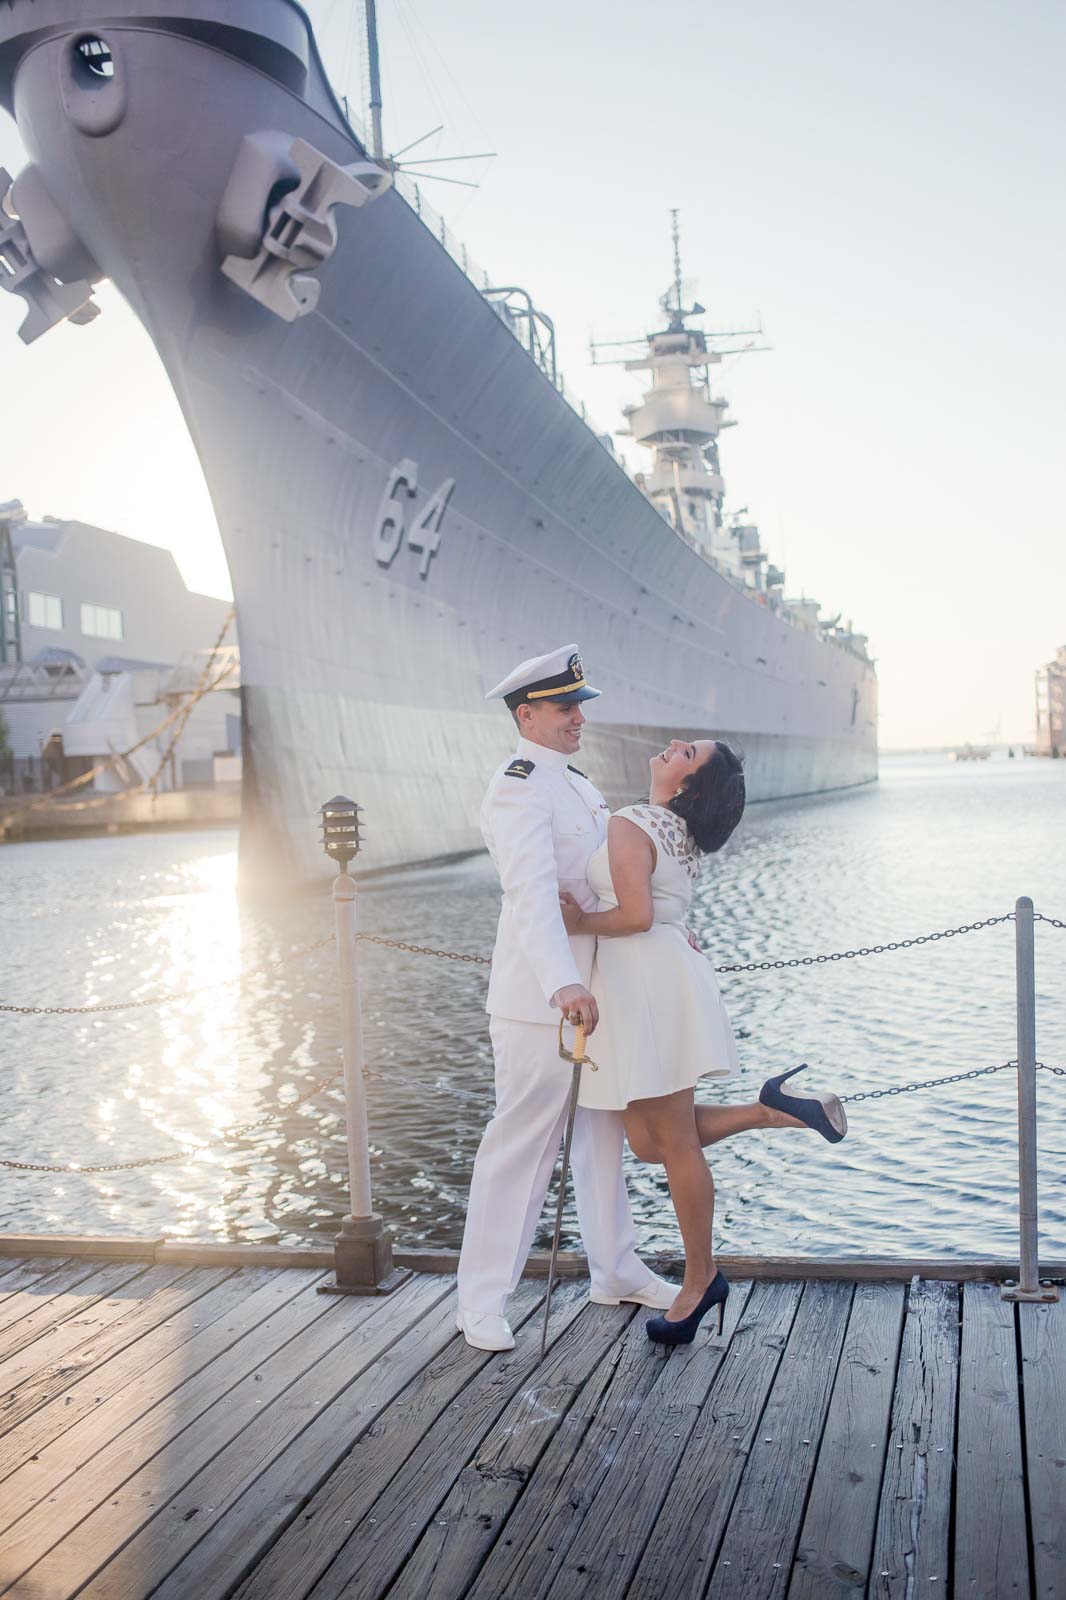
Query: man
542	820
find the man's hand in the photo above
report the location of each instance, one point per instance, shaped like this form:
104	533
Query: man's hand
571	912
577	1005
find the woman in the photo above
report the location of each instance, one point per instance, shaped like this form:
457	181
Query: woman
662	1023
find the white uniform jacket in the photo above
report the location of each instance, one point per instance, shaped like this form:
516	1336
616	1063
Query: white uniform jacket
541	821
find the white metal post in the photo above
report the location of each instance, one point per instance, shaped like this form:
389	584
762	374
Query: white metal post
1028	1286
345	922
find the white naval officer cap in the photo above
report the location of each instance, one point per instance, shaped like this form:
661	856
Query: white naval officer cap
558	675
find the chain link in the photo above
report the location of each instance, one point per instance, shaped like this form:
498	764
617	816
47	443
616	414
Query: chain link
936	1083
867	950
167	999
228	1134
239	1129
486	961
425	950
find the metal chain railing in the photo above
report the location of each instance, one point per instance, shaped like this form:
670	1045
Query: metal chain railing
867	950
424	950
486	961
239	1129
168	999
932	1083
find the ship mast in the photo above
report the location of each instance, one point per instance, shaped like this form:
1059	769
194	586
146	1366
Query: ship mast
678	421
375	79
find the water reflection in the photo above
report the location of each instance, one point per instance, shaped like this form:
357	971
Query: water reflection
100	920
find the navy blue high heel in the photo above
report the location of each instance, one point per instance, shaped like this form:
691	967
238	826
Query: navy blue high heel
684	1331
822	1112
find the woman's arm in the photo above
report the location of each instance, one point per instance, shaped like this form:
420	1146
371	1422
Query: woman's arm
631	856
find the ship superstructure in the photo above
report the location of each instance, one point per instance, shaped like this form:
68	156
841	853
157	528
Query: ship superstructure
407	502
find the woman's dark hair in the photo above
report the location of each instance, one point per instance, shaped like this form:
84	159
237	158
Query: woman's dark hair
711	802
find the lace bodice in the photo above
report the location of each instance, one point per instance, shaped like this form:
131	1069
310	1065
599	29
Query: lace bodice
676	863
669	831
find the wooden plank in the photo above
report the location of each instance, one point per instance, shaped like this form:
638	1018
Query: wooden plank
914	1516
25	1272
381	1540
103	1246
19	1440
208	1253
755	1556
70	1294
466	1525
572	1263
679	1555
991	1542
39	1287
852	1269
295	1562
50	1350
836	1541
60	1437
102	1472
233	1543
608	1546
229	1461
540	1529
1043	1334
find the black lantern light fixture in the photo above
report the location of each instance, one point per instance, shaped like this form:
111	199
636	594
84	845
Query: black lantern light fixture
341	837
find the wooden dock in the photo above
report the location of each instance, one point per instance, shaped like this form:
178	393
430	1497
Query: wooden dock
176	1429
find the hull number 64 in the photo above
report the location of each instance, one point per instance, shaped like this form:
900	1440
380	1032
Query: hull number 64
391	524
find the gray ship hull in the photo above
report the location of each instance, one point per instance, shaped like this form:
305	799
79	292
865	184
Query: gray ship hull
364	675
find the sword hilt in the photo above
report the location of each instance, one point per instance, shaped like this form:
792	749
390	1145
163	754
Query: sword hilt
577	1055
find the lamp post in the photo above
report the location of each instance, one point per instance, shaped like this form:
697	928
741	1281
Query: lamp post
363	1248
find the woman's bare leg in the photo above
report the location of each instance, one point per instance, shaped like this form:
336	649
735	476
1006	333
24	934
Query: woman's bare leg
720	1122
664	1130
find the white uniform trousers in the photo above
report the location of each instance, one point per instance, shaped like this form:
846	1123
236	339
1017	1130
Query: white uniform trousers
514	1165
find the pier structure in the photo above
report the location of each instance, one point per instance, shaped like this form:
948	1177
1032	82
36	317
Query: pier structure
254	1422
186	1420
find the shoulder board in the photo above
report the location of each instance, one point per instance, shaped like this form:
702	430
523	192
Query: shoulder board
519	768
580	774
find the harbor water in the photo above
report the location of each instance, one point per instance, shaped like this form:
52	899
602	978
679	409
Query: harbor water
931	1172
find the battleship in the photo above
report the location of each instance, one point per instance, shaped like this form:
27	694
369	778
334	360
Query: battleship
407	500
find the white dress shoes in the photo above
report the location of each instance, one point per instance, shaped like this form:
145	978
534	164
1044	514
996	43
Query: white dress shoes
657	1292
486	1332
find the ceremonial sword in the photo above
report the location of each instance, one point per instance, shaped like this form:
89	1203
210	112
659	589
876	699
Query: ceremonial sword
578	1057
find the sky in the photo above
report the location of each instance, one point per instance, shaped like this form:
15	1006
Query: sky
879	186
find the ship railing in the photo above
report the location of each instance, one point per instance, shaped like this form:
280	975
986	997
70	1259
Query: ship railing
411	191
363	1248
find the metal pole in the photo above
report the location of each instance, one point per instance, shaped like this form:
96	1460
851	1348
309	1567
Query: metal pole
375	78
344	915
1028	1286
363	1249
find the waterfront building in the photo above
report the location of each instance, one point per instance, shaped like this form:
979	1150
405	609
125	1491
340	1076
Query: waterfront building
99	637
1051	707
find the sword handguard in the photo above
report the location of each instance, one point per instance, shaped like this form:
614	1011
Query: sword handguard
576	1056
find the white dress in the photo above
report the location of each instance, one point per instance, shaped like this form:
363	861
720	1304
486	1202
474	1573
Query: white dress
662	1022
